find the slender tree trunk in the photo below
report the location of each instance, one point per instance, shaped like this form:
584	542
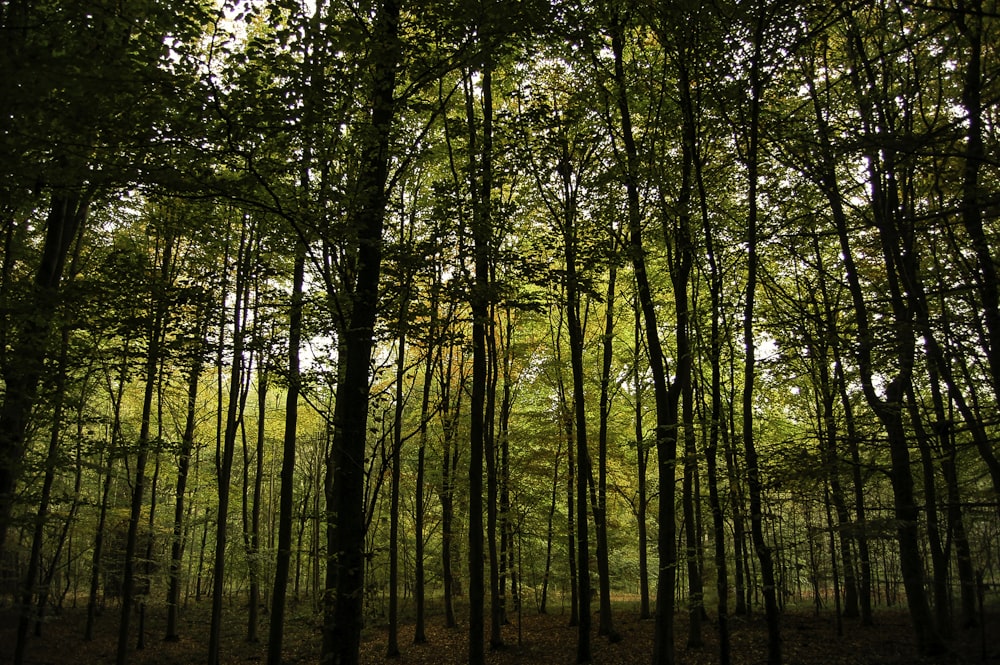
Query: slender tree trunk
449	420
506	531
156	331
392	649
344	609
447	531
493	533
696	596
449	467
860	530
98	550
754	481
932	515
32	582
480	182
714	499
571	531
642	463
836	489
147	577
583	472
65	538
252	538
567	430
826	347
200	581
680	274
25	362
183	467
666	397
956	525
550	530
224	456
606	624
715	413
831	527
741	557
970	19
419	581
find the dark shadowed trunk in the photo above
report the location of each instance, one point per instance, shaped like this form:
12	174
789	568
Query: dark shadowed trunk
343	608
25	361
287	473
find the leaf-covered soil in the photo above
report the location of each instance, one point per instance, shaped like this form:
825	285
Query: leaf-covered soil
539	639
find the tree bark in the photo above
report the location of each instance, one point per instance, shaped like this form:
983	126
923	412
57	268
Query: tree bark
606	625
344	606
666	397
156	332
289	443
25	363
224	455
183	467
642	464
754	481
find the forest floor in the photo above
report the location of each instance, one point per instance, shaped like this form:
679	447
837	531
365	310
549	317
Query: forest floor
541	640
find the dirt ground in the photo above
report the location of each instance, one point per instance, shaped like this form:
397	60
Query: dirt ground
540	639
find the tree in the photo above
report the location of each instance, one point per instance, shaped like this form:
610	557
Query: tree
758	24
287	472
246	255
122	47
345	485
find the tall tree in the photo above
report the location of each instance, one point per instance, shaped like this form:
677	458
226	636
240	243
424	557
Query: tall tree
666	394
343	610
67	143
287	473
156	330
758	20
199	343
481	179
246	255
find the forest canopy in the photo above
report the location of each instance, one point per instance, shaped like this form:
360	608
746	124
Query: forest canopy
499	304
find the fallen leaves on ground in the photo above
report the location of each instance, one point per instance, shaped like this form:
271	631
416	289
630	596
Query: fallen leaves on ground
534	640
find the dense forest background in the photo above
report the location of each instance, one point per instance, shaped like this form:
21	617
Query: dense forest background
495	306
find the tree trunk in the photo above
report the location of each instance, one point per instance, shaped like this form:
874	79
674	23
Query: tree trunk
971	26
224	456
666	398
156	332
419	582
567	430
183	466
642	463
715	414
754	481
956	525
344	608
506	524
147	577
583	472
860	531
606	623
481	187
392	648
932	515
680	274
253	549
449	467
67	213
550	530
32	582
